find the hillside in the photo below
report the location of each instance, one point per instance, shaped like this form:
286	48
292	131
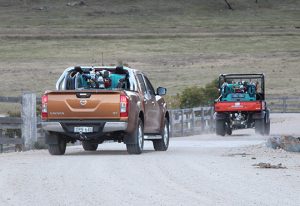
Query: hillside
178	43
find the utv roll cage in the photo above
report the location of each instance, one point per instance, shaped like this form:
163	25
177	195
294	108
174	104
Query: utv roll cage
240	77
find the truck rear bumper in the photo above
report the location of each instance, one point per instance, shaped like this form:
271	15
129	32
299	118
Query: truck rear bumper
115	126
108	126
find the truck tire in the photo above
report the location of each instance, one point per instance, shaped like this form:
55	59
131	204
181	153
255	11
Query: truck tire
220	127
163	143
88	146
260	126
138	135
59	148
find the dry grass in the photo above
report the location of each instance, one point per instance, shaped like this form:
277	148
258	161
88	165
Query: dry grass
36	64
178	44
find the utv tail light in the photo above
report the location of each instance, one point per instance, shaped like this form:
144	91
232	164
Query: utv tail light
263	105
44	107
123	106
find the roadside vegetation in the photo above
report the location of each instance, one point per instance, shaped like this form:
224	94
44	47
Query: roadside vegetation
195	96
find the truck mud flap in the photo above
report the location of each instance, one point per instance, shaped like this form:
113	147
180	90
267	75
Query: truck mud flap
51	138
128	139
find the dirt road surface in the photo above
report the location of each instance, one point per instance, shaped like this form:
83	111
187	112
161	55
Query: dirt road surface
197	170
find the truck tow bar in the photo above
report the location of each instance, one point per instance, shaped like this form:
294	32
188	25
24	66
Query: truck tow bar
82	136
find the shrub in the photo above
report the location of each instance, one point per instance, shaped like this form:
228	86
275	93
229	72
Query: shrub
199	96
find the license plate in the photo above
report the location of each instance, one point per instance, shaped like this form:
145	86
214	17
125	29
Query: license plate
83	129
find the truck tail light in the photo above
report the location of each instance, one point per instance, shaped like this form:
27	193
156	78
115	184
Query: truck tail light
44	107
123	106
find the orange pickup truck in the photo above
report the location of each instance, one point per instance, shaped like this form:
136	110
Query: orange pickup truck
94	104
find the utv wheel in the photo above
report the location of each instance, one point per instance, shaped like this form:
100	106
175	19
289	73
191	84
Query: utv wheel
88	146
58	149
260	126
138	135
267	128
228	130
220	127
163	143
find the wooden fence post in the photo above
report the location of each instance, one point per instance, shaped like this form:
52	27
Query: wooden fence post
211	126
284	109
28	114
182	126
1	145
193	121
202	120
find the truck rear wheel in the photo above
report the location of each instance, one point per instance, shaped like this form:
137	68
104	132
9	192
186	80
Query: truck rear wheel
163	143
88	146
260	126
59	148
138	135
220	127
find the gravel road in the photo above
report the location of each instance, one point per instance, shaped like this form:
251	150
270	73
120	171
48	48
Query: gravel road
196	170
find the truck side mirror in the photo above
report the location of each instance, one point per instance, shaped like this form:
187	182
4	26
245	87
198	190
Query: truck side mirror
161	91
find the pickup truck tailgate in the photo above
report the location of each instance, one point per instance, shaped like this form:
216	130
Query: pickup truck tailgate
84	105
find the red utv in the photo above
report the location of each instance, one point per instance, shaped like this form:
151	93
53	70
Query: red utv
242	104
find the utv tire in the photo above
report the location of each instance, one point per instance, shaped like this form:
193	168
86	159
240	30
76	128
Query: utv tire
228	130
267	128
220	127
163	143
138	135
58	149
260	126
88	146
